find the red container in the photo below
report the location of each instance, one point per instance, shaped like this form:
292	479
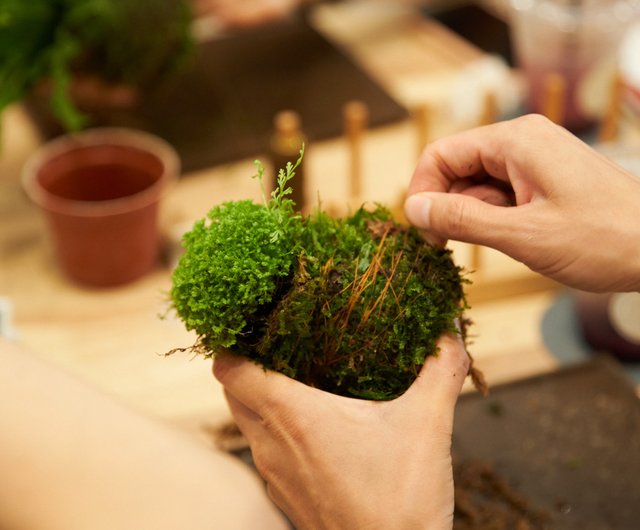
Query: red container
100	191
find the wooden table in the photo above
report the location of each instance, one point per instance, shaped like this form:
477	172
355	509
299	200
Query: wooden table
116	339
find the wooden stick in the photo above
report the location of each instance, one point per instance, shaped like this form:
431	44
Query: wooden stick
356	117
422	115
611	120
553	97
475	260
489	112
488	116
492	289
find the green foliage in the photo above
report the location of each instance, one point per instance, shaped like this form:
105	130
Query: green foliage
120	41
368	301
352	306
235	262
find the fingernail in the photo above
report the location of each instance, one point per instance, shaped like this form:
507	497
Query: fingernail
417	208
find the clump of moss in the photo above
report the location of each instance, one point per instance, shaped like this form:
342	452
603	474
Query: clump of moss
352	306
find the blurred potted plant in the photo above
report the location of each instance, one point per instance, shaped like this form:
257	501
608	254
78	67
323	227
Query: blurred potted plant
83	53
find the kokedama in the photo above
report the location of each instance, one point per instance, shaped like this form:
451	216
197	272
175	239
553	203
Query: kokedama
352	306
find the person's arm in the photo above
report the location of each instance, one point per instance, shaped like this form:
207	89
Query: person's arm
333	462
73	459
532	190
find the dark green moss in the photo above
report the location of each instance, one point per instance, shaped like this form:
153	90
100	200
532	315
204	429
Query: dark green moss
352	306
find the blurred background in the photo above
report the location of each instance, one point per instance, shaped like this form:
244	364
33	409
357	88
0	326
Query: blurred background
200	89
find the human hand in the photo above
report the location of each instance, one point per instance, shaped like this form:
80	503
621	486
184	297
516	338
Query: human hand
332	462
576	215
234	13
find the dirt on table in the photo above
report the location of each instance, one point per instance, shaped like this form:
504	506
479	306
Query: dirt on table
484	500
566	444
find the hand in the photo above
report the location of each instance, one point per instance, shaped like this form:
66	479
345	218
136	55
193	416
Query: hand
576	215
333	462
241	13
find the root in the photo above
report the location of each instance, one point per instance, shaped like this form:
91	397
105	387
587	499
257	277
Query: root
196	349
478	379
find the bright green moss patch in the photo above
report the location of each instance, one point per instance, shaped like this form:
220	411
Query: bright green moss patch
352	306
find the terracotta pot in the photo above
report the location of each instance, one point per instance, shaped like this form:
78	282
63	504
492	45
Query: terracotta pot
99	191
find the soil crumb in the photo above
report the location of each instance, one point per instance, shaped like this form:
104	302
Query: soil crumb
486	501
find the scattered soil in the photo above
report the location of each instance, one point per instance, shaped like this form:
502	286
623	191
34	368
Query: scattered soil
484	500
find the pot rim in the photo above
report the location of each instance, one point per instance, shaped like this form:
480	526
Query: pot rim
107	136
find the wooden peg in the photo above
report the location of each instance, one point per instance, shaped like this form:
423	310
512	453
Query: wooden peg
475	260
422	121
611	120
554	91
489	112
488	116
285	143
356	117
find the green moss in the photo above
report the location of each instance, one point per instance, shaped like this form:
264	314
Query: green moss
227	274
352	306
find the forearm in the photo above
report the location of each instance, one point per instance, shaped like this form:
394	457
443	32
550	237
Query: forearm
72	458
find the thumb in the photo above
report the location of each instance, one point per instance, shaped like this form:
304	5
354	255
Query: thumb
437	387
460	217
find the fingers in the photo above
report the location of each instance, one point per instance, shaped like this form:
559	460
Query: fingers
467	154
254	394
255	387
437	387
490	151
463	183
462	217
491	191
248	421
241	378
443	374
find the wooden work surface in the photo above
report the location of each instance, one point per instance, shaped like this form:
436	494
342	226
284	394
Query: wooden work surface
116	339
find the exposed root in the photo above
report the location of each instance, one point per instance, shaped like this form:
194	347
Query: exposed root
478	379
196	349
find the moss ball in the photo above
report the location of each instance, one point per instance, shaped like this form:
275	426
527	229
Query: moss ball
352	306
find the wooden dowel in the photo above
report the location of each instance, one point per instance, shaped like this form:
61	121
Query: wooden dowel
611	120
553	97
489	112
488	116
422	121
356	118
476	258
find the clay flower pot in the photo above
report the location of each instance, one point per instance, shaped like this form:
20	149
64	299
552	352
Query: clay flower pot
99	191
